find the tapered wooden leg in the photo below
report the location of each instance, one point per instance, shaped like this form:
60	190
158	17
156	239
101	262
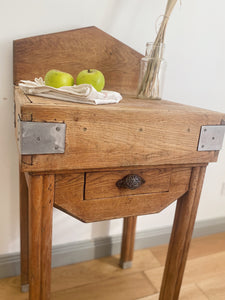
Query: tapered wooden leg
24	268
127	248
185	215
41	197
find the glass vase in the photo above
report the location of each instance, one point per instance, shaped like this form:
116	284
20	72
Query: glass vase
152	72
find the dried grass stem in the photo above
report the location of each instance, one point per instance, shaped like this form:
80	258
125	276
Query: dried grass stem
150	80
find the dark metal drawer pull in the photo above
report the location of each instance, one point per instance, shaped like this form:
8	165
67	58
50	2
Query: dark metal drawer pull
131	181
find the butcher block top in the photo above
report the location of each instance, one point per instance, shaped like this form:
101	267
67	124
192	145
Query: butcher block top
132	133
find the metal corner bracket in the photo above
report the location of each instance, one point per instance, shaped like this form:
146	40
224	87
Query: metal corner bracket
41	137
211	137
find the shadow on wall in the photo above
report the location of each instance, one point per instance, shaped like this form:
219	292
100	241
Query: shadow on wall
103	247
101	229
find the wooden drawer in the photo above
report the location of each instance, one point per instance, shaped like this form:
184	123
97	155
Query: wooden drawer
94	196
104	184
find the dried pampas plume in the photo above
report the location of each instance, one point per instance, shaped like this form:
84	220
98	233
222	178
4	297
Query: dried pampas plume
150	82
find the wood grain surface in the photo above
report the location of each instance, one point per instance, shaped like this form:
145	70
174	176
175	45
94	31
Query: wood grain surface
103	184
131	133
41	198
24	223
71	185
184	220
35	223
75	50
128	240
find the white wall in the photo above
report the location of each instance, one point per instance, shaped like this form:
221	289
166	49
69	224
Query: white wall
195	54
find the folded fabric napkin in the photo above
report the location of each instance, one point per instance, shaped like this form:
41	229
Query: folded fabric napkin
83	93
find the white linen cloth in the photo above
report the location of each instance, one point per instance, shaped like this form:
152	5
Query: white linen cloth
83	93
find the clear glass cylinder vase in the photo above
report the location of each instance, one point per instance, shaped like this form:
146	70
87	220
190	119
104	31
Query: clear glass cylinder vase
152	72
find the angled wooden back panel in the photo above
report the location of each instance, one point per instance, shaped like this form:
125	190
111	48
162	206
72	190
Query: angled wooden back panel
75	50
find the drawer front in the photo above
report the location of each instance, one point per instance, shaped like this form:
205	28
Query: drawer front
120	183
95	196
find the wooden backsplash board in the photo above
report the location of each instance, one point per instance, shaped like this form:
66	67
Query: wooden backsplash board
75	50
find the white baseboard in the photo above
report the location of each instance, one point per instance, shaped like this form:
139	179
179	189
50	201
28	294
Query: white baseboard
87	250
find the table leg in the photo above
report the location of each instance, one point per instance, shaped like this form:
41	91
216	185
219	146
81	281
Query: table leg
24	267
127	248
41	197
185	215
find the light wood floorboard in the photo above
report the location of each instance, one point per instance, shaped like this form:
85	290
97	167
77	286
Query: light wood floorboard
102	279
188	292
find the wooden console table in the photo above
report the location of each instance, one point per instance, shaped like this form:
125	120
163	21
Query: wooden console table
107	161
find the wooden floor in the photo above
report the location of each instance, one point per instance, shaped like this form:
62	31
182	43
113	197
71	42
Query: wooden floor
102	279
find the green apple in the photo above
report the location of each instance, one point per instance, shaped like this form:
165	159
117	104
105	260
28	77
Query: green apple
93	77
57	79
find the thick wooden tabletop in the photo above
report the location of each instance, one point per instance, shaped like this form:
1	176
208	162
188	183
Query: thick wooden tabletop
132	133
